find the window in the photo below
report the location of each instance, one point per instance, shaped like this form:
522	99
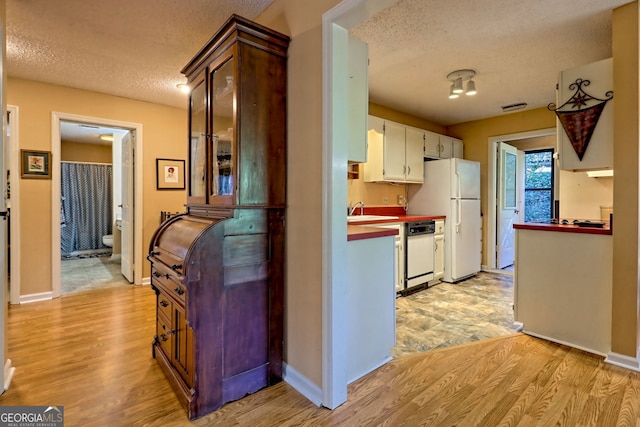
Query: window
538	185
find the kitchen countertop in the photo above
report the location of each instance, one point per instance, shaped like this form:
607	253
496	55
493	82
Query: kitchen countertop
564	228
359	230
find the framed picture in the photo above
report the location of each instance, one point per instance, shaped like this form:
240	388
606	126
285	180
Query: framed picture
35	164
169	174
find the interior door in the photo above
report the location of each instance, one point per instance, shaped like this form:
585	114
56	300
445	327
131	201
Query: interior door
507	204
127	266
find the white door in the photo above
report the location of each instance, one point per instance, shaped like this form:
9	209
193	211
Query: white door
6	371
127	207
466	240
507	203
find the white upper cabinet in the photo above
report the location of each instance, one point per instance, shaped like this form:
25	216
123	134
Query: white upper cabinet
458	148
414	155
575	94
431	145
446	147
395	153
358	102
438	146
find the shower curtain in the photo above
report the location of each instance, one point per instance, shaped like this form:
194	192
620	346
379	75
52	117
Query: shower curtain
86	206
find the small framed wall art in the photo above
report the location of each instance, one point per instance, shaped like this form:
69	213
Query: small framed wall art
35	164
169	174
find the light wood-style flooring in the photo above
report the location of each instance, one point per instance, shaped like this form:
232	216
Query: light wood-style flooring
91	353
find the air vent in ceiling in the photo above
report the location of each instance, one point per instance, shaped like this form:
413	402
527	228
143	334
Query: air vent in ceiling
514	107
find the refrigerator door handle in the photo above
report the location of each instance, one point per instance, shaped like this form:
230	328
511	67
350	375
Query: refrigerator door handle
458	215
459	187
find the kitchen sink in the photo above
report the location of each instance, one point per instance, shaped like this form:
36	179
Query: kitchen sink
358	218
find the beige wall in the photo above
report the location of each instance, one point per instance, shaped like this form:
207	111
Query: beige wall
302	20
164	133
624	325
92	153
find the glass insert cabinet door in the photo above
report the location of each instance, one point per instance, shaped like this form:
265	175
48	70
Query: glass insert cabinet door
223	174
198	143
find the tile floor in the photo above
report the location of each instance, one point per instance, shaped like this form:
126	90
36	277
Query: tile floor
86	274
448	314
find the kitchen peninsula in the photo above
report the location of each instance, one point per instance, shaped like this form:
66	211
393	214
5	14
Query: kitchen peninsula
372	254
563	282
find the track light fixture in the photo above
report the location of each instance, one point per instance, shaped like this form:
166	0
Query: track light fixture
457	78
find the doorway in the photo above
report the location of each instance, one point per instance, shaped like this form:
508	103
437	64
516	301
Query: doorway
91	196
541	138
118	127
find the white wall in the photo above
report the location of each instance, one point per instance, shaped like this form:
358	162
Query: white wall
581	197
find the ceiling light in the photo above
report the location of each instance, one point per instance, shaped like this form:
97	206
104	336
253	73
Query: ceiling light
457	78
452	94
183	87
600	173
457	86
471	88
106	137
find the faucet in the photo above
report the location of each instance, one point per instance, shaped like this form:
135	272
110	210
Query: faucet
353	208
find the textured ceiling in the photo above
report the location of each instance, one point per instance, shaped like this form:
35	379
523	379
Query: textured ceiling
129	48
136	48
517	48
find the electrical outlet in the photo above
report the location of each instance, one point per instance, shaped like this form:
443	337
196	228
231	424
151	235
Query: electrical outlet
385	200
400	199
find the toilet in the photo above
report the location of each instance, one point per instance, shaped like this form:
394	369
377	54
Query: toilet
107	240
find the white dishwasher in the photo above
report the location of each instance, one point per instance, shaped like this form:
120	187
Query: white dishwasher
419	253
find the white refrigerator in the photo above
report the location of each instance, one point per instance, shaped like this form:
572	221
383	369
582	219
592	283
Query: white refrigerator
452	188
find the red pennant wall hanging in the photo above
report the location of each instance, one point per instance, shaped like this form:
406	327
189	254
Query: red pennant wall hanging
579	115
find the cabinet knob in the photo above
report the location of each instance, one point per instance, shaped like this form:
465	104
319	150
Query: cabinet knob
156	274
164	303
179	291
175	267
163	338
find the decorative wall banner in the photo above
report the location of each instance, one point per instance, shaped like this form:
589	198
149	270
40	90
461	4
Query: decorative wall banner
579	115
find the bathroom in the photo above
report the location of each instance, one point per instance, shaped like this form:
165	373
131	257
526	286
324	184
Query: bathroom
90	212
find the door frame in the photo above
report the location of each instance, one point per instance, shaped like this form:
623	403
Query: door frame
14	221
56	118
492	179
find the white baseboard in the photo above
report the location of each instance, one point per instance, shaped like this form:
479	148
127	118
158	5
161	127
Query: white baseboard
8	374
146	280
568	344
301	383
623	361
42	296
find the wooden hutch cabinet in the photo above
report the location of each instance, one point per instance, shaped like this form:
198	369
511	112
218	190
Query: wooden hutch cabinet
218	269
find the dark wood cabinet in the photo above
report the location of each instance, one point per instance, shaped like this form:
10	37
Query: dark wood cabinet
218	269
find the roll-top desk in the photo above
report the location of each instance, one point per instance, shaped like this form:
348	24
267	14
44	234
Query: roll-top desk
217	270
